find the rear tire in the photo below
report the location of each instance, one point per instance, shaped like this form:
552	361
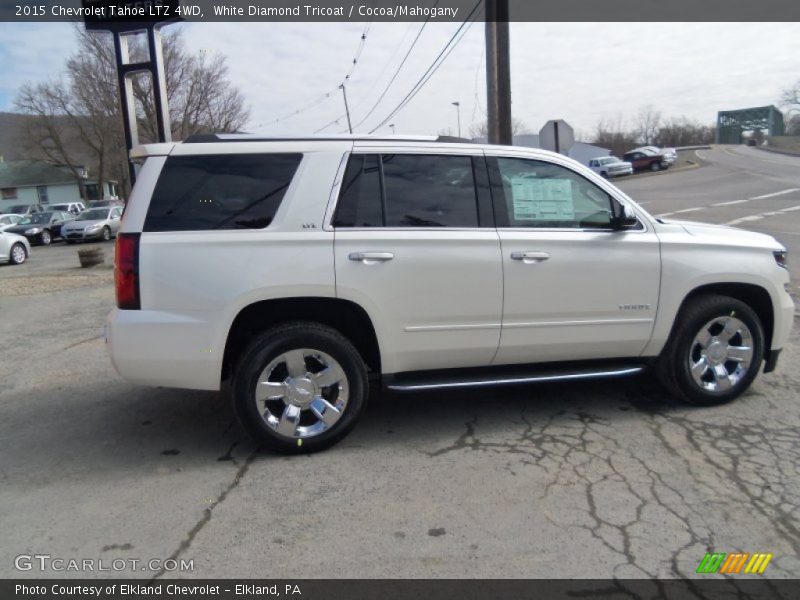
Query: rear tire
714	353
299	388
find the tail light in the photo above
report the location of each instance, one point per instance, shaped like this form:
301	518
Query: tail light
126	271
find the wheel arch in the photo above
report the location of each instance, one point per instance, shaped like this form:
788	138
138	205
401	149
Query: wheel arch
348	318
755	296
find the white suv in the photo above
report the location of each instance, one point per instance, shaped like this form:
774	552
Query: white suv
307	271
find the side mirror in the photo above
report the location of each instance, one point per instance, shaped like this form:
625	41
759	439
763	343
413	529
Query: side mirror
624	219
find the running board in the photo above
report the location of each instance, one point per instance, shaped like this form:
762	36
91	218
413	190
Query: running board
412	382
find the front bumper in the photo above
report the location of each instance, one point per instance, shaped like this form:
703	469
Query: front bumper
83	235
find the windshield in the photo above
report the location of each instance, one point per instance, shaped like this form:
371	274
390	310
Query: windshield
94	214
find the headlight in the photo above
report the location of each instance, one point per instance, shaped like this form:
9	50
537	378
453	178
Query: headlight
33	231
781	258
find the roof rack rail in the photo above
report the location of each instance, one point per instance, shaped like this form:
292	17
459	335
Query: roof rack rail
453	139
209	138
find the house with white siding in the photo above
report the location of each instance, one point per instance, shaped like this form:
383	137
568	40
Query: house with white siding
25	182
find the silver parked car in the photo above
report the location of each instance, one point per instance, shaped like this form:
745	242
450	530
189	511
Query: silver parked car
14	249
93	224
7	221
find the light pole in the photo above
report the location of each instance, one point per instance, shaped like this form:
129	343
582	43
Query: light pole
392	126
458	115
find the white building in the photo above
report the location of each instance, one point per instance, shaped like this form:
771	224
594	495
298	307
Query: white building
24	182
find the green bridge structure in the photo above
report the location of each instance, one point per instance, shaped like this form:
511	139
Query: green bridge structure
732	123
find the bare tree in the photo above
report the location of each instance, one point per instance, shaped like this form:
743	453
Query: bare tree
481	130
683	132
615	135
77	117
647	122
790	97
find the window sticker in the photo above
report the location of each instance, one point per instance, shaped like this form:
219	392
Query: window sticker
542	199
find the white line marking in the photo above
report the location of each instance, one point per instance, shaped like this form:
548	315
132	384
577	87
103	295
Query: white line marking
772	213
664	215
685	210
781	193
744	219
729	203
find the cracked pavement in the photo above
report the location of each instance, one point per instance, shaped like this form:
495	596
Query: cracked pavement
586	479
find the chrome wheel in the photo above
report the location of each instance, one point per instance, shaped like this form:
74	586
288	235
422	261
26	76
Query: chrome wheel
18	254
301	393
721	354
45	237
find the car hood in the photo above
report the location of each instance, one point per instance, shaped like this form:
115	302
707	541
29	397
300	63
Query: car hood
23	228
725	233
83	224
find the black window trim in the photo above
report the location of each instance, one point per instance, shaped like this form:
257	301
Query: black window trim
480	181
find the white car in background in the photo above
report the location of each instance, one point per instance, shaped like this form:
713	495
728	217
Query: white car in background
14	249
7	221
610	166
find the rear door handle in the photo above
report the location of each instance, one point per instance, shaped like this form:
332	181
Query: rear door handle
371	258
530	258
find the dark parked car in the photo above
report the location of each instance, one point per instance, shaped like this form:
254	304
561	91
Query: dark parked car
646	161
42	227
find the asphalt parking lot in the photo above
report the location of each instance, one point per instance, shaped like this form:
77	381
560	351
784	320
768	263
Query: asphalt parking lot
578	480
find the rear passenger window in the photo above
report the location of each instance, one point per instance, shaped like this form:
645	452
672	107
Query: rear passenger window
408	190
226	191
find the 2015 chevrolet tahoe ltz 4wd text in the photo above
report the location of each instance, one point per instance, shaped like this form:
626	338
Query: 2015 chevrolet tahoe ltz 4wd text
306	271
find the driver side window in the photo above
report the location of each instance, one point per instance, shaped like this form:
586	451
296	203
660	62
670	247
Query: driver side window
545	195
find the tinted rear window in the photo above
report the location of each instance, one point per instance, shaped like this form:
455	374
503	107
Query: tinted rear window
230	191
419	190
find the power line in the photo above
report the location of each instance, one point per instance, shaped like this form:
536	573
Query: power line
331	93
397	71
437	62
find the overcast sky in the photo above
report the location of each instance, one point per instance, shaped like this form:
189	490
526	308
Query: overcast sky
581	72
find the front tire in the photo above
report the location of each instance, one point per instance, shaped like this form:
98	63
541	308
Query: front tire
45	238
18	254
300	388
106	234
715	351
656	166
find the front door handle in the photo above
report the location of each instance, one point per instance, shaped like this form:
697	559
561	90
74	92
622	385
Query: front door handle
371	258
530	258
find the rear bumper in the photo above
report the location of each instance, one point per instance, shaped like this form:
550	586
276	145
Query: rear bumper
163	349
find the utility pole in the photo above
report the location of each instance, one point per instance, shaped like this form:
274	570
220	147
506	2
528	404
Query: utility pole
346	108
498	72
458	115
